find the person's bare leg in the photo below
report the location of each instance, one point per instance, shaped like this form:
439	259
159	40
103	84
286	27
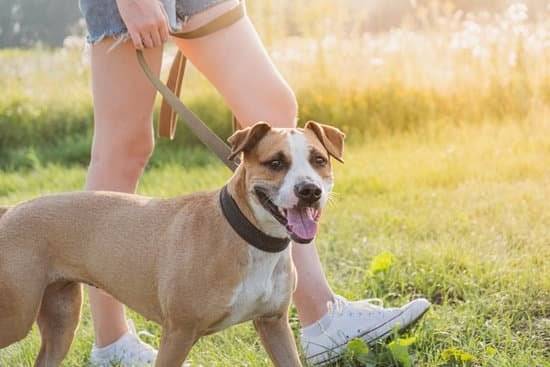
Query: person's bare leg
236	62
313	292
123	142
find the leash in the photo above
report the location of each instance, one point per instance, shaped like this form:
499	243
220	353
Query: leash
196	125
171	104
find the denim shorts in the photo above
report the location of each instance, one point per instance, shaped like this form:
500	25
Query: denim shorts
103	19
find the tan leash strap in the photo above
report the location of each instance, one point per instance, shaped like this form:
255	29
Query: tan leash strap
168	117
223	21
199	128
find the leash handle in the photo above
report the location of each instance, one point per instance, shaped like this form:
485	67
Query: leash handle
167	116
172	106
199	128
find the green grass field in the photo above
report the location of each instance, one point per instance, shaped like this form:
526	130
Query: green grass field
463	211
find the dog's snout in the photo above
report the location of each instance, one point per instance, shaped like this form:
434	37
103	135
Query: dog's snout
308	192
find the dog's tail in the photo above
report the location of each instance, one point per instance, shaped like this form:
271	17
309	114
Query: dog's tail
3	210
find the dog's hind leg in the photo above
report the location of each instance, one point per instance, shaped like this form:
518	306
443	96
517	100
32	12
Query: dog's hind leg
22	279
15	325
57	321
18	307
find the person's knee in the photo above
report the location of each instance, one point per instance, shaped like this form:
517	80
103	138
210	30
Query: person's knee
127	155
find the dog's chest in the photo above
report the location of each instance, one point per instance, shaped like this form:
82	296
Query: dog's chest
265	289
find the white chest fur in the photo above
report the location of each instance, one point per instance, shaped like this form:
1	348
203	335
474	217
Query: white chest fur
265	288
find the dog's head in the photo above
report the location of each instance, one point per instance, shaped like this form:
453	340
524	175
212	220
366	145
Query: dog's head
288	175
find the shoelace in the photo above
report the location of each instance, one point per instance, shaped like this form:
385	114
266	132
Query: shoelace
132	330
370	303
141	350
339	304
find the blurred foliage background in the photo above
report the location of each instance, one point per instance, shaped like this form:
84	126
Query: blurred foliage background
370	67
25	23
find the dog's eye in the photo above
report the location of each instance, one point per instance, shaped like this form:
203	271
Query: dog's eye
276	164
320	161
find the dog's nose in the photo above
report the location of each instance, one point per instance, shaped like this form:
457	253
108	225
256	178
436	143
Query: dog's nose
308	192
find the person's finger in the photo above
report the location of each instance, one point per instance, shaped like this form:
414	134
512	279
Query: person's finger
155	36
136	40
164	29
147	40
164	33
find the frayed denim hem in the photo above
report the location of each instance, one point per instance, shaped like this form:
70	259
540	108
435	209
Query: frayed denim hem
103	18
120	36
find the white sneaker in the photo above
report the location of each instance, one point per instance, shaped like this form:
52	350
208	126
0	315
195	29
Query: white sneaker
128	351
326	340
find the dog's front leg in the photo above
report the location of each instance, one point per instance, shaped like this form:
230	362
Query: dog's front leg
278	340
175	346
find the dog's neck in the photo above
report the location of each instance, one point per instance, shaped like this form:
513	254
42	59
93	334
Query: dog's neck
251	209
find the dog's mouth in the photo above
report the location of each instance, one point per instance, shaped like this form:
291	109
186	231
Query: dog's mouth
300	222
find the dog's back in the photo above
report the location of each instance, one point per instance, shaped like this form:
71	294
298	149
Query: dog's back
3	210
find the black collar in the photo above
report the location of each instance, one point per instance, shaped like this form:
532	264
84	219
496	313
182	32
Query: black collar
246	230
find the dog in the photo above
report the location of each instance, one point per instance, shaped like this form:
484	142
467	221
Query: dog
199	263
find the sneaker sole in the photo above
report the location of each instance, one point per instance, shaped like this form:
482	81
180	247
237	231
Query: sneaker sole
335	354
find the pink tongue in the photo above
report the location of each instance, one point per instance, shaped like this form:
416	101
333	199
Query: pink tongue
301	222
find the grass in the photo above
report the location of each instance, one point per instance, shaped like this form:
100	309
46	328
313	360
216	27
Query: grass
464	213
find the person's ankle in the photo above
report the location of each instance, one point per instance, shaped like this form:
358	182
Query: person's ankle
312	312
110	336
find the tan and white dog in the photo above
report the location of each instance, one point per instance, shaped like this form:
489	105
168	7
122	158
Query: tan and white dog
189	270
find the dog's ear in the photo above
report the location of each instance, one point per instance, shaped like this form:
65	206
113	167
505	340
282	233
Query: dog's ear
244	140
331	138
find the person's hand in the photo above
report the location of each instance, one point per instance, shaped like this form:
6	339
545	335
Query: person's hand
146	21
